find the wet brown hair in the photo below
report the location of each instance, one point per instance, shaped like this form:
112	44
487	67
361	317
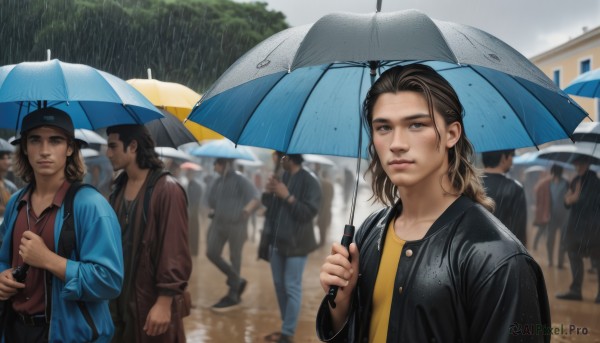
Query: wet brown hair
146	157
439	94
74	168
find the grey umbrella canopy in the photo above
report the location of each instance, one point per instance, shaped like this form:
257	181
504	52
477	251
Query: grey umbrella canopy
587	132
169	131
567	153
381	37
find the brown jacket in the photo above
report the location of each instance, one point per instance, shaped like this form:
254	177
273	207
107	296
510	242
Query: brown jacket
160	256
542	202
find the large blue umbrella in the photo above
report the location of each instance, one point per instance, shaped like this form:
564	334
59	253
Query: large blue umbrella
93	98
301	90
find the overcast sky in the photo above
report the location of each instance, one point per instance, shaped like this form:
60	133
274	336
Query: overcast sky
530	26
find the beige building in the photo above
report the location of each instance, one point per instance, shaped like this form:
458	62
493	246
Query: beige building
565	62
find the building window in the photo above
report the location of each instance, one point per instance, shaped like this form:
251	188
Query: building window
556	78
585	66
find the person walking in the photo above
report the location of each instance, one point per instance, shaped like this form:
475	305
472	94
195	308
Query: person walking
550	212
435	265
57	298
582	238
152	210
292	203
194	195
231	199
507	193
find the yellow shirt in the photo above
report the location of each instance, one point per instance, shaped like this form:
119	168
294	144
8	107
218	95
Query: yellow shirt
384	286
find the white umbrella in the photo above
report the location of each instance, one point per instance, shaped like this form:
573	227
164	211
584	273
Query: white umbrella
173	153
568	152
318	159
89	136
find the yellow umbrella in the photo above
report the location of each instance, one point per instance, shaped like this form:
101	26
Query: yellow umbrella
176	99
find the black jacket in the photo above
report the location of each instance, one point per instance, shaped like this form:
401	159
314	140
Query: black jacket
468	280
583	228
511	205
290	226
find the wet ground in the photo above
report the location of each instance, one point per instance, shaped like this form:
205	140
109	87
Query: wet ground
258	314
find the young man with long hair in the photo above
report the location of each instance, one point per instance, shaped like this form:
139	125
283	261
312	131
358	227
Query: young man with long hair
60	299
154	226
435	265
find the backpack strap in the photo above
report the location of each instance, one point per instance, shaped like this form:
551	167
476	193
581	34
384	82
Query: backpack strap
66	241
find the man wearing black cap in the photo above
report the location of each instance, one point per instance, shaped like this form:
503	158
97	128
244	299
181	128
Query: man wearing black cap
59	299
582	237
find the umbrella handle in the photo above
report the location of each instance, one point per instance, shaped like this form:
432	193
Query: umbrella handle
346	240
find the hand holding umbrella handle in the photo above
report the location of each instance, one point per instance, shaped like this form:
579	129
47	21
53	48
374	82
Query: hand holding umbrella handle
346	240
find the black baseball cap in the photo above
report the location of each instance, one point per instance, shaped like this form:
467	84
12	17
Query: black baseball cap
48	116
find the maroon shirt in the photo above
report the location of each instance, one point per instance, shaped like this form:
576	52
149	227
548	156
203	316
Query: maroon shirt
31	299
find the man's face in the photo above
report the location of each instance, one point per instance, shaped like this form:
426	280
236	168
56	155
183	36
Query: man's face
5	163
286	163
405	139
47	150
118	157
219	168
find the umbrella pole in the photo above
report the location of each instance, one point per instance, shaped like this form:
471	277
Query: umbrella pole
349	228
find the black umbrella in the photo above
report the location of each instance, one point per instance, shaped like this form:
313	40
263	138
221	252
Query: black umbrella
169	131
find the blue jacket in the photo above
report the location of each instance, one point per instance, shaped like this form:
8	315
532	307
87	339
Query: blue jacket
94	278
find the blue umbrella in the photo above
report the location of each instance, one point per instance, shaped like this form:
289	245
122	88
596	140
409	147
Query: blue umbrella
223	148
93	98
586	85
301	90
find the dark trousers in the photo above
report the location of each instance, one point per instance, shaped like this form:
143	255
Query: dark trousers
550	231
576	260
17	332
235	235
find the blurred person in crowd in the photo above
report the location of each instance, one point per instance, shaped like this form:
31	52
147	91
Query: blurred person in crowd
52	293
292	201
7	188
550	212
152	210
507	193
231	200
194	196
582	237
324	216
435	265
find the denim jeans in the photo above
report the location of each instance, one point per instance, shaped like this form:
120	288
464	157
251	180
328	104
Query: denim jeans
287	278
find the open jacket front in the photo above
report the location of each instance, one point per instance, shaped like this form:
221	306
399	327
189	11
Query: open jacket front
468	280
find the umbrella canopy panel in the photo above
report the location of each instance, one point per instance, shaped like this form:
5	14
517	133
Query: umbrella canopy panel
176	99
223	148
568	152
94	99
301	90
169	131
587	132
89	136
586	85
317	109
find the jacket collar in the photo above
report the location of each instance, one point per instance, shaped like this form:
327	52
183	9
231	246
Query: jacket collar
457	208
